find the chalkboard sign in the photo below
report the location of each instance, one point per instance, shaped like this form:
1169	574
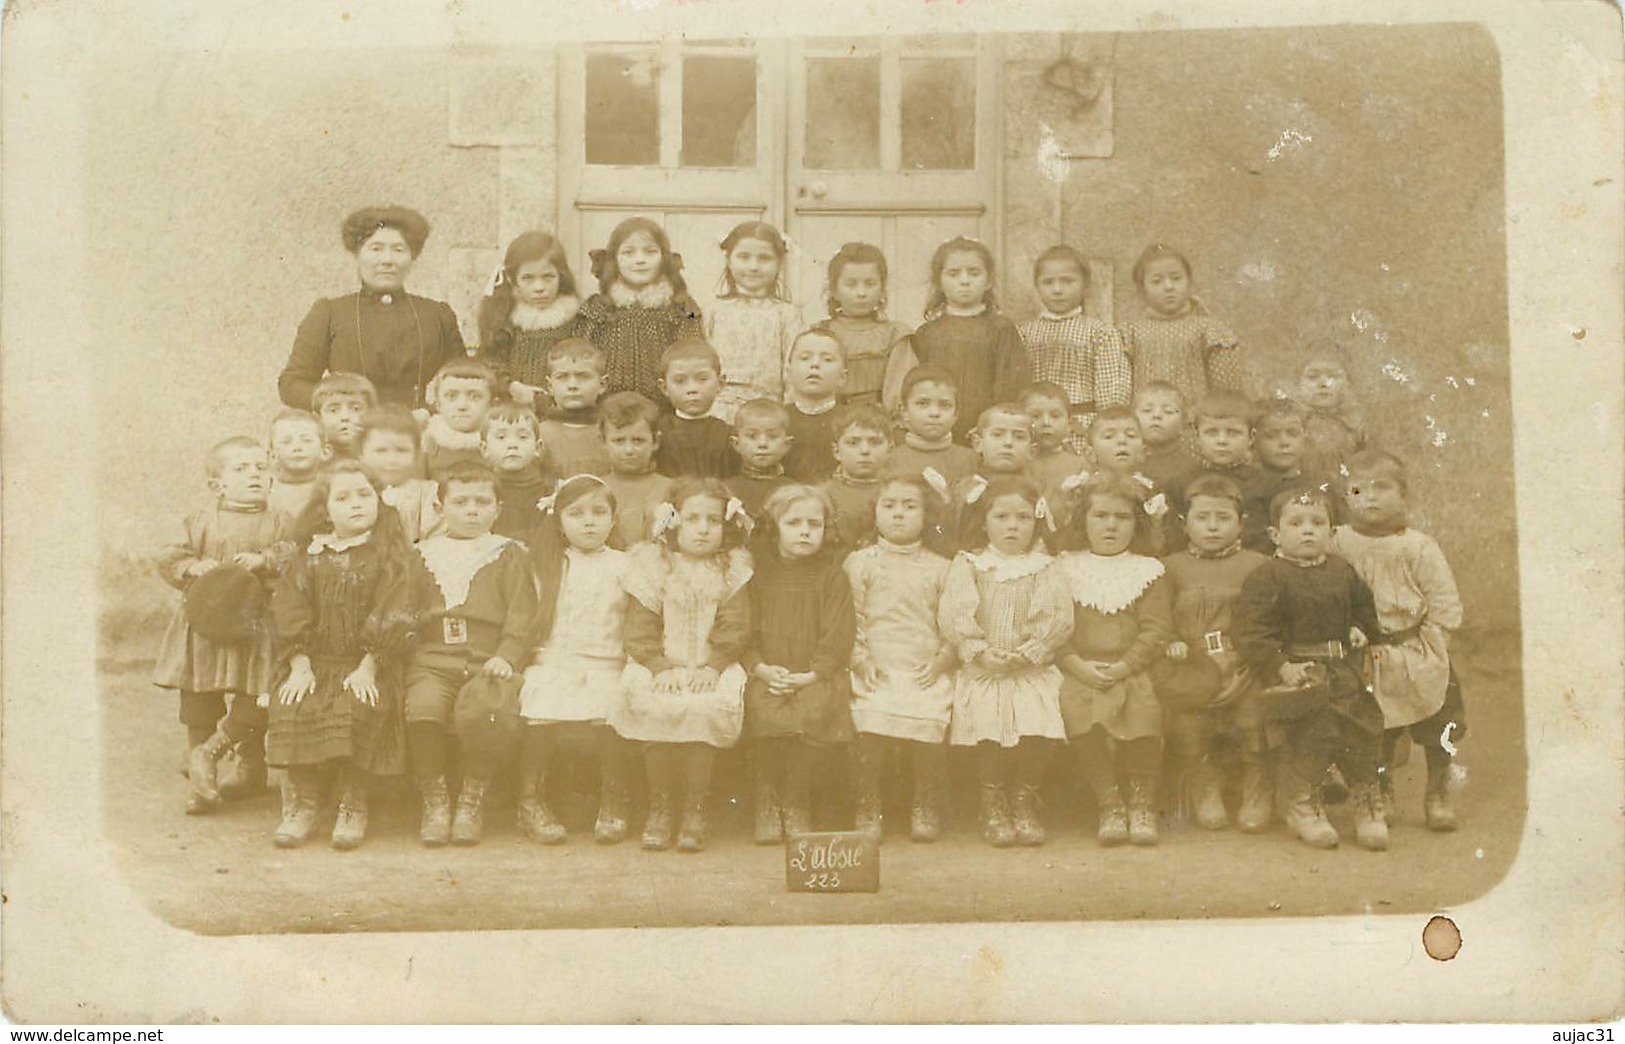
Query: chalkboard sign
836	861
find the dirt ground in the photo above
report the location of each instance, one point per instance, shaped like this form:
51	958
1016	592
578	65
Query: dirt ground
220	874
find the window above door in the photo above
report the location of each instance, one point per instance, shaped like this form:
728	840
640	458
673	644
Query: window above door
671	121
674	104
890	104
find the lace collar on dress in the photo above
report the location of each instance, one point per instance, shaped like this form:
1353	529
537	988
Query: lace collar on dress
1109	583
440	432
657	294
555	315
328	542
1005	567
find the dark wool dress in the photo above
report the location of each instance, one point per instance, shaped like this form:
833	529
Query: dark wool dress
335	606
398	345
694	446
803	620
632	336
984	354
518	354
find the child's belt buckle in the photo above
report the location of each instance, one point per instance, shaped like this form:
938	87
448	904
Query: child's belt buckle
454	629
1214	640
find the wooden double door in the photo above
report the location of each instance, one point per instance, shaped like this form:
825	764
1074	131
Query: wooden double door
887	140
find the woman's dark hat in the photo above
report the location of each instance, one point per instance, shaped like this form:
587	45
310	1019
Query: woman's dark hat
227	604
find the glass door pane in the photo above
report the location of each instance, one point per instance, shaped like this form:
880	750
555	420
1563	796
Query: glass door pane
719	111
623	110
938	113
842	114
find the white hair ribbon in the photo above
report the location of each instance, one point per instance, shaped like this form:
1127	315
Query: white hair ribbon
1072	483
1157	506
547	503
498	277
736	507
1142	480
665	518
977	487
934	479
1041	511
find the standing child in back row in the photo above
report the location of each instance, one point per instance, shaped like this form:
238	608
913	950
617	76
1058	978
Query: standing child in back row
857	319
753	322
1177	340
642	306
530	306
1081	354
966	335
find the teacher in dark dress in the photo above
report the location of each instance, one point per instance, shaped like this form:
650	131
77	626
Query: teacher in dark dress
393	338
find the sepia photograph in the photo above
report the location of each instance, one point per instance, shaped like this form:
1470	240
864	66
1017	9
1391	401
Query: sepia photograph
1004	492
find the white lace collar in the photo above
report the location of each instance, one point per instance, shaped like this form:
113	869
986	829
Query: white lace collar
817	409
1109	583
1006	567
657	294
1056	317
604	555
328	542
454	563
529	317
440	432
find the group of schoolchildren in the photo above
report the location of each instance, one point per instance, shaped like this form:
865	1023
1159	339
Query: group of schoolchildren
634	533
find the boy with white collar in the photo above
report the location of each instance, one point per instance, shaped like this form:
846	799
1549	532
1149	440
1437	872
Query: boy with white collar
460	394
479	608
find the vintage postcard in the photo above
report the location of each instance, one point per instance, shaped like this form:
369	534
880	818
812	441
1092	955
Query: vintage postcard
701	511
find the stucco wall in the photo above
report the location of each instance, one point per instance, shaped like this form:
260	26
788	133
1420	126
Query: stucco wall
1342	182
216	224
